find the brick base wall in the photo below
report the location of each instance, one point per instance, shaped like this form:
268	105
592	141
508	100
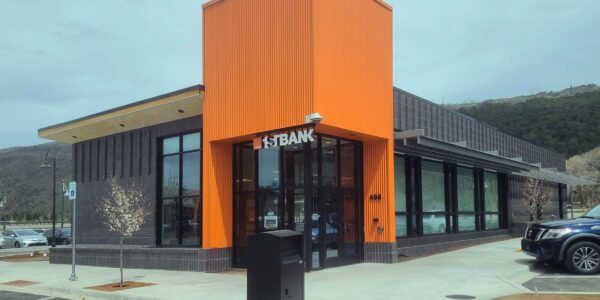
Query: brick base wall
424	245
140	257
381	253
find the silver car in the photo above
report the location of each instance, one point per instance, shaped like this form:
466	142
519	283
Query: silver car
1	241
23	238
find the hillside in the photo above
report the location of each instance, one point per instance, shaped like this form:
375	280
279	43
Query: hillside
568	124
586	164
26	186
541	95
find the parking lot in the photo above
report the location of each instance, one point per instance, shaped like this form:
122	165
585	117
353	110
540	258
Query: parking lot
556	279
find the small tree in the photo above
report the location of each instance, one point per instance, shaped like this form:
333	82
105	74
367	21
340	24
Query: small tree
534	198
123	211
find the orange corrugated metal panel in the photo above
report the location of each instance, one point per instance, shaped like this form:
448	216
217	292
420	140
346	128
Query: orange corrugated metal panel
268	63
257	65
217	186
258	77
353	65
377	162
353	90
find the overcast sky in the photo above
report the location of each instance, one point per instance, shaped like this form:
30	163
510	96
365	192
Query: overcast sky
61	60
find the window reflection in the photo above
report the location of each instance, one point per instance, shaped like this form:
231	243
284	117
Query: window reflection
465	183
492	218
170	181
191	173
432	178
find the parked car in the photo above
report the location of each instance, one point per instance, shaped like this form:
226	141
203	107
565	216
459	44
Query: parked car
572	243
434	224
1	241
23	238
62	236
40	231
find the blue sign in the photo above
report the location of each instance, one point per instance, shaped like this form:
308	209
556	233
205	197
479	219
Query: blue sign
72	190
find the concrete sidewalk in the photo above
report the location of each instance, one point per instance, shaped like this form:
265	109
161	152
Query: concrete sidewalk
484	271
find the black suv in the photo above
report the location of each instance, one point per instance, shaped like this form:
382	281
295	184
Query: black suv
574	243
62	236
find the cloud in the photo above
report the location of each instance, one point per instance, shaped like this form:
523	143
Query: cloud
63	59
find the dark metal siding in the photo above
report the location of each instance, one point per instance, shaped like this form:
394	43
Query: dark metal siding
412	112
128	157
518	213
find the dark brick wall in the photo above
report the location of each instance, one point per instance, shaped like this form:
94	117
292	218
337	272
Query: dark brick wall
130	157
143	257
380	253
424	245
442	123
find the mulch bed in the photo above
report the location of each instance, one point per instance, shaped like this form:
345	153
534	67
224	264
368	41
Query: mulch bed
26	257
549	297
241	272
114	287
20	283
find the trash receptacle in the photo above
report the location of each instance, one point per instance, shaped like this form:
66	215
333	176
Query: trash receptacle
275	265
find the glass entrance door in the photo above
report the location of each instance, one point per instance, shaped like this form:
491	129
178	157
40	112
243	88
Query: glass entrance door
310	188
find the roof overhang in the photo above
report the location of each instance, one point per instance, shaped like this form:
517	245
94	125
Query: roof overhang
169	107
414	142
556	176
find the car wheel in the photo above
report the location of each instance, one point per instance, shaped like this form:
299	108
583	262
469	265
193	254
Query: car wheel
17	245
583	258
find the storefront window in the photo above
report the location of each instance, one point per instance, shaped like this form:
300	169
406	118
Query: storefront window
400	196
490	186
433	195
329	161
181	190
465	184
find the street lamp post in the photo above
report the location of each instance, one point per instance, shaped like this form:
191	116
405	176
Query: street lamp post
2	204
62	205
46	164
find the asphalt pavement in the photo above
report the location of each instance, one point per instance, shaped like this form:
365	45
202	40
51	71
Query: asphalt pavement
8	295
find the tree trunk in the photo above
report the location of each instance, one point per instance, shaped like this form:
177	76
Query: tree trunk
121	263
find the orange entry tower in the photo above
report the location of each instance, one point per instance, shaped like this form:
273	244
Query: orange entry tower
269	63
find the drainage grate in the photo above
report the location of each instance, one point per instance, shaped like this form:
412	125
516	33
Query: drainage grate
460	297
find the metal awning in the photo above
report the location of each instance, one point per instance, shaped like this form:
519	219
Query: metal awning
169	107
414	142
556	176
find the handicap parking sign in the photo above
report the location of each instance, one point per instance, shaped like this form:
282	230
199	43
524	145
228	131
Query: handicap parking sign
72	190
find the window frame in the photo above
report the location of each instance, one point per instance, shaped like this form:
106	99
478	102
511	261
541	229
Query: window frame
179	198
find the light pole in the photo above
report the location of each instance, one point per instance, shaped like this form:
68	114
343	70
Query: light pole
62	205
2	204
45	165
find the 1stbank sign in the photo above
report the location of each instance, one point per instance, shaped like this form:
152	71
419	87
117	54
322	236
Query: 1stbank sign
295	137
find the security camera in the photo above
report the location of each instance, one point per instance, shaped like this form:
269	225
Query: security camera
315	118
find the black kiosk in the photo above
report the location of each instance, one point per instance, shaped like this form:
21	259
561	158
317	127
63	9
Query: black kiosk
275	265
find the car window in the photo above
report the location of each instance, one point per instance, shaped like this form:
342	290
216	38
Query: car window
25	232
49	232
593	213
66	231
